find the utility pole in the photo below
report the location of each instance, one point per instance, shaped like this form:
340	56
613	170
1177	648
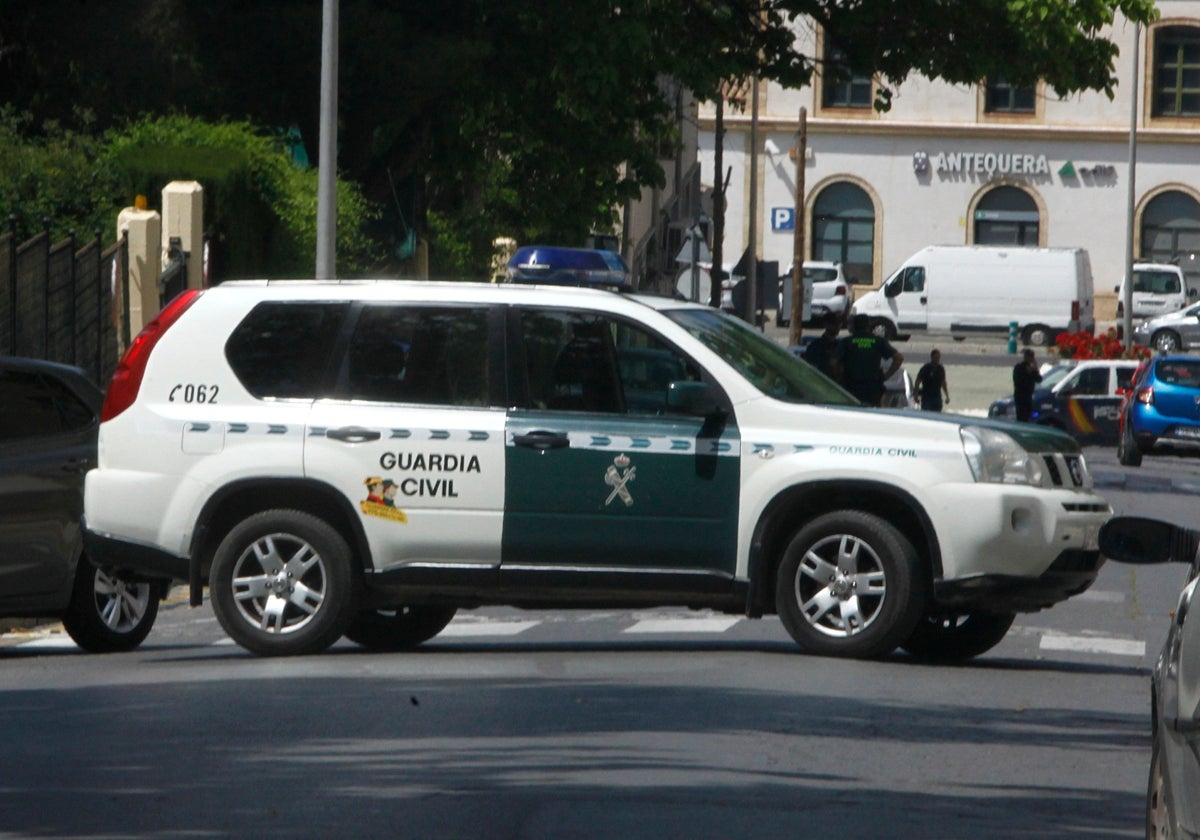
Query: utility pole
751	281
327	159
797	278
715	274
1127	315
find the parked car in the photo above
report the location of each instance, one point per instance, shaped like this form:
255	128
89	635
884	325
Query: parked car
1082	398
1170	333
49	416
1161	409
1158	288
362	460
832	293
1172	806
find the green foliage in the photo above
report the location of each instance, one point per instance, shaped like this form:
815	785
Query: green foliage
260	208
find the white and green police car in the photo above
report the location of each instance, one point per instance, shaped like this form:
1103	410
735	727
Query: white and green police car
362	459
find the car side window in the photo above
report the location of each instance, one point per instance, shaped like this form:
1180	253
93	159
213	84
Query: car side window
1125	376
436	355
587	362
914	279
1092	382
32	405
281	350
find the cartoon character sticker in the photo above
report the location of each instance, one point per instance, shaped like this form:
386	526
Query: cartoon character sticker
381	499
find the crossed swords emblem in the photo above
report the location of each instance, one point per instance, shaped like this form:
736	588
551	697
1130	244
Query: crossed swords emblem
618	474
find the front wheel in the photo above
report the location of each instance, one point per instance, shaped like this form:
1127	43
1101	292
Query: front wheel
850	584
399	628
1158	811
110	612
1037	335
883	328
282	584
1128	453
956	638
1166	341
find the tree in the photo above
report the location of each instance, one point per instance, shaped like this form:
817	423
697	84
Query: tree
528	118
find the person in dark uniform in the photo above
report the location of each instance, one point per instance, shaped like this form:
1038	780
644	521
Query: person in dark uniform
1026	376
859	359
931	382
820	351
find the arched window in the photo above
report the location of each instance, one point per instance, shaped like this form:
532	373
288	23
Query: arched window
1171	233
1007	216
843	230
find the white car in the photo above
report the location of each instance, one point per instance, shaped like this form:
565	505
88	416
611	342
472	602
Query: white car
832	294
1158	288
362	459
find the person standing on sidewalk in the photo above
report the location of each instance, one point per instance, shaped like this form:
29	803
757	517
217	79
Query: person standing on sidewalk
931	383
821	350
1025	377
860	358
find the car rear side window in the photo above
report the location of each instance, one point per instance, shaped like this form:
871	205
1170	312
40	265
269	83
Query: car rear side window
33	405
1179	372
282	349
436	355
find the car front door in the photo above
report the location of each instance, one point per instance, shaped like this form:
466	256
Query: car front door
907	299
600	473
414	435
1092	404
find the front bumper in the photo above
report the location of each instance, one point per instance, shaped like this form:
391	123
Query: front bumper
1072	572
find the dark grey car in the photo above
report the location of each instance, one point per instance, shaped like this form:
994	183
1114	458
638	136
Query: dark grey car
49	416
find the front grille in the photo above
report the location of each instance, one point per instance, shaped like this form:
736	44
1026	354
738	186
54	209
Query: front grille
1066	470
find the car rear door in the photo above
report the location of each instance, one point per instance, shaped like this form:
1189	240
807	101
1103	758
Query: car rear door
600	474
1092	404
1177	393
414	435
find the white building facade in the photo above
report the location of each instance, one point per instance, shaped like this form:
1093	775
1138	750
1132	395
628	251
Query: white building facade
981	164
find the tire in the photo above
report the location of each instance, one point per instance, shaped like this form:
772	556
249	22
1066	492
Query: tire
1037	335
1128	453
291	554
1158	812
110	612
850	584
957	638
1166	341
883	328
398	628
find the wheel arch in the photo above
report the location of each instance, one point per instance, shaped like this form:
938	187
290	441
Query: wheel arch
801	503
240	499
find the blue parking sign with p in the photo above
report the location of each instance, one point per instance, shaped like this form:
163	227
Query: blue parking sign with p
783	218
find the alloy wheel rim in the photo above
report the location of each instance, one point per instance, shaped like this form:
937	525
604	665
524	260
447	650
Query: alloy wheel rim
279	584
841	586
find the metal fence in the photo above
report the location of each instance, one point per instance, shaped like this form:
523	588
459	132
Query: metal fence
64	301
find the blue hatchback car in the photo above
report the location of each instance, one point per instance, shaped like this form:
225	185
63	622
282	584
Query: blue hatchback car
1161	409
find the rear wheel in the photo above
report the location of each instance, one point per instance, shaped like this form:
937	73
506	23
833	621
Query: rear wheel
955	638
1128	452
1166	341
850	584
399	628
110	612
1037	335
282	584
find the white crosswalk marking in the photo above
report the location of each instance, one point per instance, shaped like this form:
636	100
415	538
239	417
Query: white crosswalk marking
1093	644
715	624
461	629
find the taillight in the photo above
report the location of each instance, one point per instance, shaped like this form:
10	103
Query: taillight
1074	310
841	290
1120	309
1146	395
127	378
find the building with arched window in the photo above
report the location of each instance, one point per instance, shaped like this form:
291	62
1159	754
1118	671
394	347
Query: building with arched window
976	164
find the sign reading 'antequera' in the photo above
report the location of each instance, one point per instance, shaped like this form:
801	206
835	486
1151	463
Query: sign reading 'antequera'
990	163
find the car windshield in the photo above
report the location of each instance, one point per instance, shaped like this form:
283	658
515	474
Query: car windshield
764	364
1055	375
1179	372
820	275
1155	281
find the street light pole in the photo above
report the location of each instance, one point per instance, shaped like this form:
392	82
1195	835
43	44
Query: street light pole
327	159
751	281
1127	294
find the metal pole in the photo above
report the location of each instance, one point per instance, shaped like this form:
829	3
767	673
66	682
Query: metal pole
100	319
72	317
751	305
718	244
12	283
797	278
327	159
1127	319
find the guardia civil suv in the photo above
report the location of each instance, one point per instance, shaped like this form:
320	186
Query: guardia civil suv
362	459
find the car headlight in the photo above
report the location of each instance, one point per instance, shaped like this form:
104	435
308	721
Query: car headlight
996	458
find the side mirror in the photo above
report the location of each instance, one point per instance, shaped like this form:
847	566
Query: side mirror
1141	541
1116	288
698	398
892	290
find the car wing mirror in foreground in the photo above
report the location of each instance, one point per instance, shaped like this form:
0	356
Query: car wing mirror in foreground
1141	541
693	398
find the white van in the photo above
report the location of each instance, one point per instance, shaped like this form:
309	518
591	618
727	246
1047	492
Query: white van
976	288
1158	288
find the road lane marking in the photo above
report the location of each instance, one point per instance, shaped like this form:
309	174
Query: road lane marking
1092	644
716	624
1102	596
461	629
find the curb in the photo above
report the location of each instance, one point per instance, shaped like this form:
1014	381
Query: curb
1134	483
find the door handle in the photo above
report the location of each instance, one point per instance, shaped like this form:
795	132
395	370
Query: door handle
353	434
924	299
542	440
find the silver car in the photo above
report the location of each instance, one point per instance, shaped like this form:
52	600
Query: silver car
1172	807
1172	332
